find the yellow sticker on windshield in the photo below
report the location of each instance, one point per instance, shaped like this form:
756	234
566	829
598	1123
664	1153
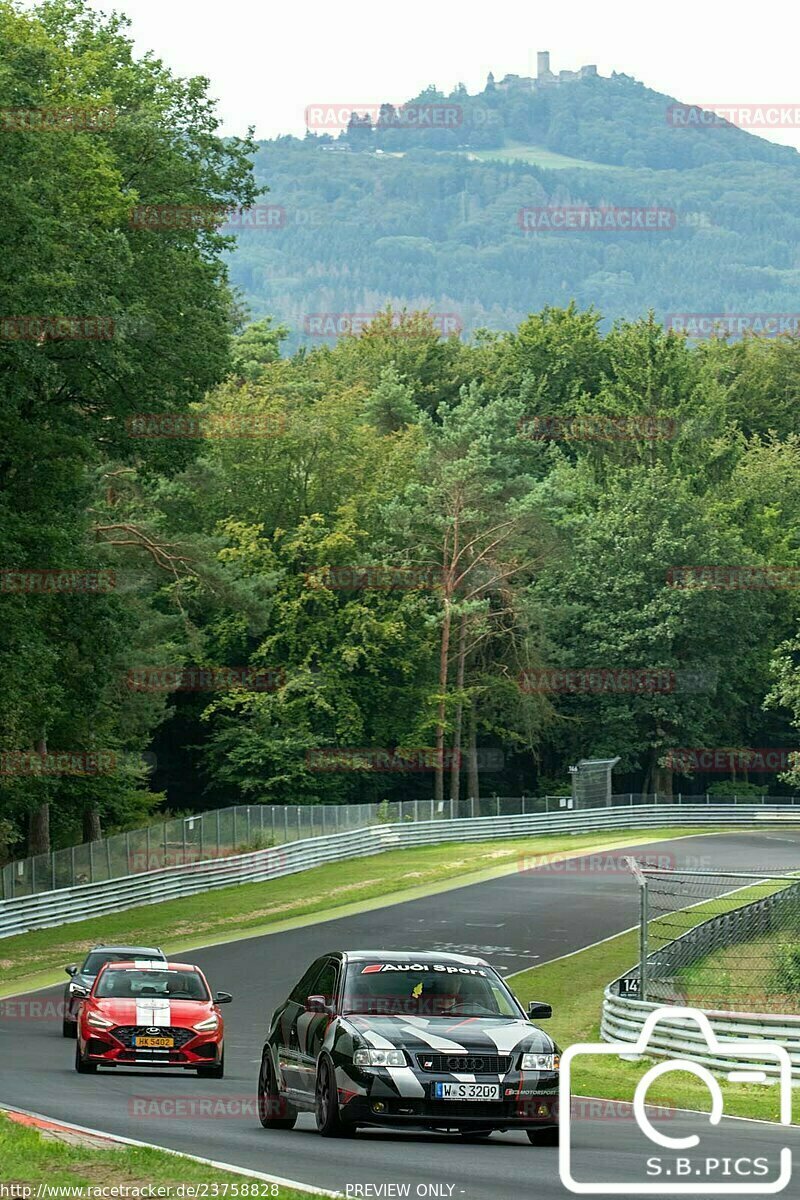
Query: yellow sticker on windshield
417	992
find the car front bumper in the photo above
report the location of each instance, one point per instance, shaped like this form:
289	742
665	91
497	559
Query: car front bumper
525	1103
101	1047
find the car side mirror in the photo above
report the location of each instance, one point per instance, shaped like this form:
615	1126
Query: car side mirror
223	998
539	1012
318	1004
71	969
77	990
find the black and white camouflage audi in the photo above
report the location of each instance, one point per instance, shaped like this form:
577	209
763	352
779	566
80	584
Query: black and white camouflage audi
434	1041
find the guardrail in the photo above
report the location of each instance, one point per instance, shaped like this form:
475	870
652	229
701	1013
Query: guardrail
624	1019
624	1015
67	905
224	832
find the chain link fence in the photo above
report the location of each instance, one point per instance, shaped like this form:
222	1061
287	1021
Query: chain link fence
716	940
236	830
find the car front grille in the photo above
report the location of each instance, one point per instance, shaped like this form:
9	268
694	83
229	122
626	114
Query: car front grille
465	1064
126	1034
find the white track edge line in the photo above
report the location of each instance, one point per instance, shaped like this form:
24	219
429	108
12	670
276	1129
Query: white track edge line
207	1162
695	1112
569	854
571	954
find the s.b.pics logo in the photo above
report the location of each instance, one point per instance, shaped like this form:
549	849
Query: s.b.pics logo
680	1162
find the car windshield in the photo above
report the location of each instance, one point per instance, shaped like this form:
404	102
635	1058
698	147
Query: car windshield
426	990
135	983
98	959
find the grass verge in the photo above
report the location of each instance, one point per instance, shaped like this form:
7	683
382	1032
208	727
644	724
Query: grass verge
538	156
760	975
574	986
37	959
29	1159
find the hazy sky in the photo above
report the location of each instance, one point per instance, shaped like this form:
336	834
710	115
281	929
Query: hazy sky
268	59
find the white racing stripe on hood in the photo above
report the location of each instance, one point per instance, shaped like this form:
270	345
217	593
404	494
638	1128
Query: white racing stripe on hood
507	1037
377	1040
153	1011
432	1039
463	1078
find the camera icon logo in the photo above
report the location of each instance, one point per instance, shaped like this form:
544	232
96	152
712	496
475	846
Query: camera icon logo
703	1171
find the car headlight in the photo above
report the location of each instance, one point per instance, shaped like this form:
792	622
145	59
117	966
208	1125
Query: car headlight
209	1025
98	1022
379	1058
541	1062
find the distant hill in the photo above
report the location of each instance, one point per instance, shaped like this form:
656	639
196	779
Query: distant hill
616	120
430	217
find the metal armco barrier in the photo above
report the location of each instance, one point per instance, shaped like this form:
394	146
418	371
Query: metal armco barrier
66	905
624	1018
244	828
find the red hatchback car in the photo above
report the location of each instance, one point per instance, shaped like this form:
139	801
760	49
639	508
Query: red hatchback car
151	1014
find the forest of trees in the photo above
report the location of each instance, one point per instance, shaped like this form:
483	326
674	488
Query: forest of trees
378	545
433	229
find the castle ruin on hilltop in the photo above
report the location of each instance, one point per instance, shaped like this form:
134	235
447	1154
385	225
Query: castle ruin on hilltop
544	76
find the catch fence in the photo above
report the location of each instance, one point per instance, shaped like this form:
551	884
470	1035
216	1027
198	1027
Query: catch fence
222	833
94	899
721	940
724	944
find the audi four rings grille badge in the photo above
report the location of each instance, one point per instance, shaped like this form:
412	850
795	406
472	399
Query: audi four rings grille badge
468	1063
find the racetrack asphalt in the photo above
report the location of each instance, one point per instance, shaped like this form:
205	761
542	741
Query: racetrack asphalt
515	921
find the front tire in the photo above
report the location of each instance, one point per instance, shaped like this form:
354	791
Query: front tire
270	1100
82	1066
217	1072
544	1137
326	1107
69	1029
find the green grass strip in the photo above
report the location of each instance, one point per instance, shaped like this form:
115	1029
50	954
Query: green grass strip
574	986
37	959
29	1159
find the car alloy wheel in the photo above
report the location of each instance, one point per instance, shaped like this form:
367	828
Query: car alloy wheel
329	1118
270	1101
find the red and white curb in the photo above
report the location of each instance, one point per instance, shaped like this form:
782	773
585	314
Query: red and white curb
101	1140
